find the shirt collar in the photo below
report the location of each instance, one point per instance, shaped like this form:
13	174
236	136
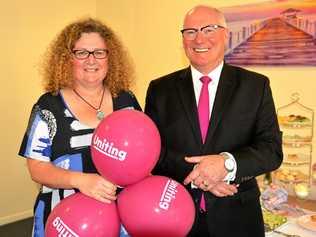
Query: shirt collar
214	74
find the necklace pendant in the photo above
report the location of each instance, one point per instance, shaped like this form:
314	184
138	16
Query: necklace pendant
100	115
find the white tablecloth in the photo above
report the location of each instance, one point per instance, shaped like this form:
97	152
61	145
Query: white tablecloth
291	227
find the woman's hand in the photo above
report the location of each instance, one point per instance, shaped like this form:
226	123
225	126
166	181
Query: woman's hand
92	185
95	186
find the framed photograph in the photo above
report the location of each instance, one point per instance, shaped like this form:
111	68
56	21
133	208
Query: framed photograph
272	33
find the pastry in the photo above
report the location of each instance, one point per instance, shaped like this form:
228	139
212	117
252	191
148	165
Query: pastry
292	157
290	175
293	119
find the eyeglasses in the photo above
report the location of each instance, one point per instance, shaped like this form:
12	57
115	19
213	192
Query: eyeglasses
208	31
84	54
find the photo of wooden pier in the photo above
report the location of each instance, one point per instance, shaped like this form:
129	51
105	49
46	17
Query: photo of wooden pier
288	37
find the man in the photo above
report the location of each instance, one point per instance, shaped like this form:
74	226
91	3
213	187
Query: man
217	162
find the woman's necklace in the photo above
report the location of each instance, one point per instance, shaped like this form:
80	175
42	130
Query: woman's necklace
100	113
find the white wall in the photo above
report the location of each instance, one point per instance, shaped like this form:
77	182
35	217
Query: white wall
26	28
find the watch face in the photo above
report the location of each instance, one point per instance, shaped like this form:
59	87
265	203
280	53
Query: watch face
229	164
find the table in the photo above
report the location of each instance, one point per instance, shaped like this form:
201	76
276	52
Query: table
305	204
291	227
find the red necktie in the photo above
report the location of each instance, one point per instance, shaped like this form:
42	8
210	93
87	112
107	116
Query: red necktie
204	113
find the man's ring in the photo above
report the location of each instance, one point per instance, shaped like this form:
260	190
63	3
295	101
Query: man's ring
205	183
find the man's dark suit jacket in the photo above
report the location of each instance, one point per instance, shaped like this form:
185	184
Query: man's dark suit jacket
243	122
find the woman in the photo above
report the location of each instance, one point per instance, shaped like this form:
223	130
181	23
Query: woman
87	76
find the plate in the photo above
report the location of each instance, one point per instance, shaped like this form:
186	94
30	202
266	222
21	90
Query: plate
269	232
306	222
296	159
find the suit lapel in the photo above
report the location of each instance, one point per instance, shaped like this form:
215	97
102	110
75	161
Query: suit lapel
187	97
225	89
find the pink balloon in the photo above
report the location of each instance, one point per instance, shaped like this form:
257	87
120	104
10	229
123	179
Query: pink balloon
156	206
80	215
125	146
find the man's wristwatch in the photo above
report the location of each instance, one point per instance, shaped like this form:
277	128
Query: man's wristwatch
229	162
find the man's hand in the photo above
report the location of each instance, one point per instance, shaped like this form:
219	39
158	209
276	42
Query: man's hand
209	171
222	189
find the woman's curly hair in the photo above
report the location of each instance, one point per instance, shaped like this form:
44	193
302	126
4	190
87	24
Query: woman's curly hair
57	65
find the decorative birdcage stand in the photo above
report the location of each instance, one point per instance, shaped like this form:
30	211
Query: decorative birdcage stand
295	173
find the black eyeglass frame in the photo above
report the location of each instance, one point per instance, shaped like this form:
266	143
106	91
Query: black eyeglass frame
90	52
214	26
